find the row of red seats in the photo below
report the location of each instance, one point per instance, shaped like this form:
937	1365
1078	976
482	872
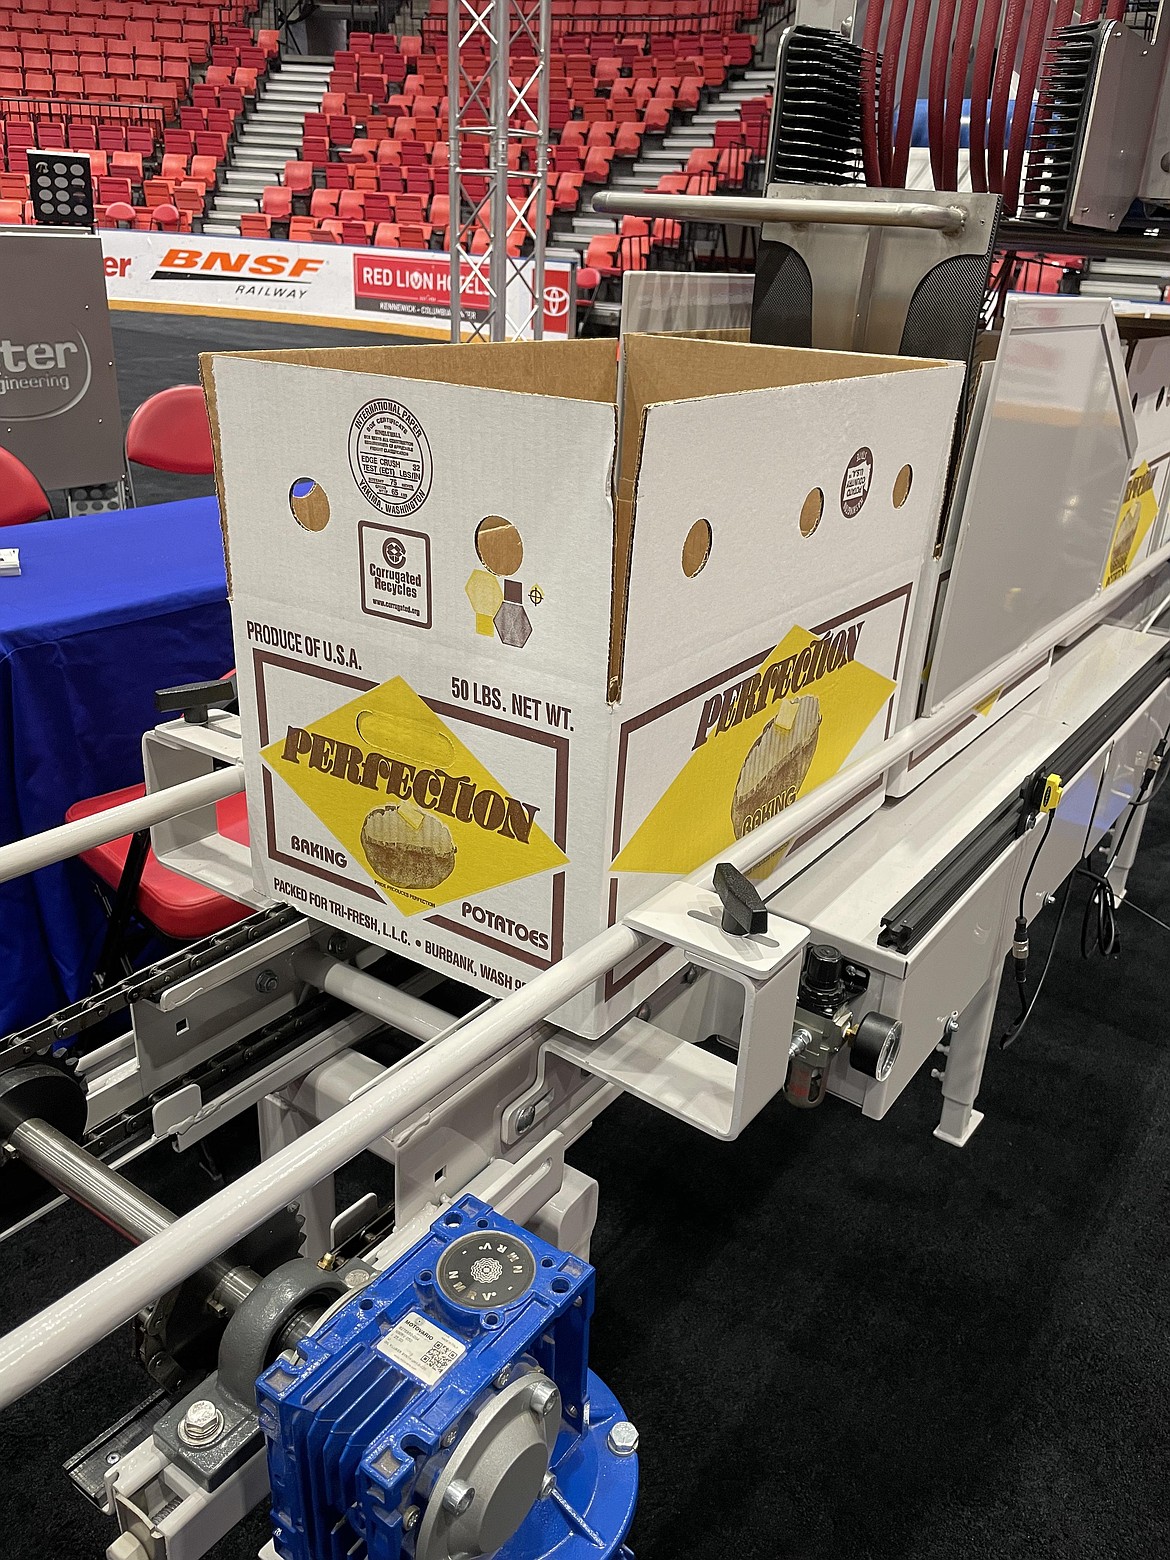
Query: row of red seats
212	11
110	136
17	213
638	242
32	51
172	27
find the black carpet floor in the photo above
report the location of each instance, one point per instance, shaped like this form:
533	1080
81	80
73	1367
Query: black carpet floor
839	1339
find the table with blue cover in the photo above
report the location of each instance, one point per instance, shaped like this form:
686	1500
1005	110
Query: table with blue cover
106	609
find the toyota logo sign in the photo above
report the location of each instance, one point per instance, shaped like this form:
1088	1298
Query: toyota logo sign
556	301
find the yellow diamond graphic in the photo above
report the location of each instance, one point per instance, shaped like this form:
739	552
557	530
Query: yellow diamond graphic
1139	510
745	775
409	802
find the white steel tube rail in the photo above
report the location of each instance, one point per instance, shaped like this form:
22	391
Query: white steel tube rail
757	209
70	839
369	995
73	1324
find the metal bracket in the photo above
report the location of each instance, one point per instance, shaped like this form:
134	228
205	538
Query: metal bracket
754	991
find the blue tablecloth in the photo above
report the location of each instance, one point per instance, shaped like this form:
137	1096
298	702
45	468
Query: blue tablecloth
107	608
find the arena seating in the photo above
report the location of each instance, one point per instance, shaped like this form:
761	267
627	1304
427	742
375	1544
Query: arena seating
374	163
113	78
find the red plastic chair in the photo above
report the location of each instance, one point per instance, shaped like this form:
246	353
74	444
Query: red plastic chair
171	432
588	281
22	498
178	907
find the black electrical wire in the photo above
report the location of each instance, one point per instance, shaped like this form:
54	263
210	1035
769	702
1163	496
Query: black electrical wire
1016	1028
1044	833
1102	902
1099	922
1027	1004
1129	905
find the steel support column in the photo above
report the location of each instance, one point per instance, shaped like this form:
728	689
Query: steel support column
497	93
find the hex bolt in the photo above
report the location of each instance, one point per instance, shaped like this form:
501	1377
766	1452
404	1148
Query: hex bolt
690	974
266	982
622	1439
504	1377
548	1484
644	1012
410	1518
201	1424
937	1074
525	1118
339	945
457	1498
356	1277
450	1438
543	1398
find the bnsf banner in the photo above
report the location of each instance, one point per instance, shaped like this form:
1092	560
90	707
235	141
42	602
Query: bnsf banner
410	288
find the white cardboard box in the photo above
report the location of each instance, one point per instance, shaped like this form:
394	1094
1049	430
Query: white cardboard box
504	673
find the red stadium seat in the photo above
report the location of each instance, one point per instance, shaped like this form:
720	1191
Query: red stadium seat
22	498
170	432
177	906
276	202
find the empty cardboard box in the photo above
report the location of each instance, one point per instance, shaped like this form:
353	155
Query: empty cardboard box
512	655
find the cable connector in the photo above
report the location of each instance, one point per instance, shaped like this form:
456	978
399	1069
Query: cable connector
1020	950
1051	795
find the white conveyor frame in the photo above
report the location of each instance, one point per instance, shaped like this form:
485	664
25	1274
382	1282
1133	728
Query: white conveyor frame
67	1328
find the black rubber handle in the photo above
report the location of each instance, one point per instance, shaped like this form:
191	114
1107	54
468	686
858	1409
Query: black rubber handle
194	700
744	912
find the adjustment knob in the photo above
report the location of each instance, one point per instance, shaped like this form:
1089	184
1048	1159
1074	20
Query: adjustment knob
822	969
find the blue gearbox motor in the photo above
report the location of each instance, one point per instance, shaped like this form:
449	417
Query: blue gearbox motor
447	1410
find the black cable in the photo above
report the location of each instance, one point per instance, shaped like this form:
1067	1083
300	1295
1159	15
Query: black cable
1128	904
1027	1005
1044	833
1101	907
1016	1028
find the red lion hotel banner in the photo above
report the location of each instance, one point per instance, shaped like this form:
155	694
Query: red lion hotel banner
401	291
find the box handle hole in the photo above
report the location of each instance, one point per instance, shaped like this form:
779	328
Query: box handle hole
903	482
696	548
811	511
499	545
309	504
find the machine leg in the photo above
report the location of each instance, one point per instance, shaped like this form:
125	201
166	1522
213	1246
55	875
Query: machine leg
964	1069
281	1124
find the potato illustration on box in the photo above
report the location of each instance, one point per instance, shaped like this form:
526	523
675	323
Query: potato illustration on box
759	746
408	847
777	764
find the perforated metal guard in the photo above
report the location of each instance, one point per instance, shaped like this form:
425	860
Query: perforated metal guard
816	124
1067	73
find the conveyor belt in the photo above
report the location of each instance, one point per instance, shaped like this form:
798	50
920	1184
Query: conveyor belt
919	911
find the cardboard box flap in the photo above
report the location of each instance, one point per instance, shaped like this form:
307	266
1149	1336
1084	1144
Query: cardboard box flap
660	370
573	370
437	511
